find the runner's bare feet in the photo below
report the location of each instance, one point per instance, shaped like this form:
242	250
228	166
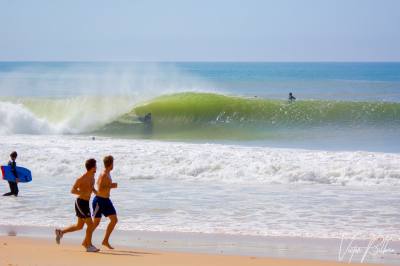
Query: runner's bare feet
106	244
59	235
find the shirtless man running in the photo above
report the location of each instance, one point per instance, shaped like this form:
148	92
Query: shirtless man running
83	187
102	204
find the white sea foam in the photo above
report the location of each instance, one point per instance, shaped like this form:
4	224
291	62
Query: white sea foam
212	188
61	156
16	119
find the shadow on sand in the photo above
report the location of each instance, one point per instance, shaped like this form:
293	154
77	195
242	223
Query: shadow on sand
125	253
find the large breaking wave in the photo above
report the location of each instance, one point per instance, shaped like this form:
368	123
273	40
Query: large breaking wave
208	108
192	115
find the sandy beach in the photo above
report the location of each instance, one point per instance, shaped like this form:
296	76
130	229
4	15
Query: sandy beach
45	252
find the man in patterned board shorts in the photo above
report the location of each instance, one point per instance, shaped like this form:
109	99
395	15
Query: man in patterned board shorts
83	188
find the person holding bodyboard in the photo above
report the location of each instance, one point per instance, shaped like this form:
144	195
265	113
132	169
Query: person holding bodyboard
13	184
14	174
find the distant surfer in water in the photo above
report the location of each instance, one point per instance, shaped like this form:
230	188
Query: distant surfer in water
13	185
291	97
83	187
102	204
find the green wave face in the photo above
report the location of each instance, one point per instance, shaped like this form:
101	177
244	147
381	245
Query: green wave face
215	116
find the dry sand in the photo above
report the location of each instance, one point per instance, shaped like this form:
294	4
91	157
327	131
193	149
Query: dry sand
36	251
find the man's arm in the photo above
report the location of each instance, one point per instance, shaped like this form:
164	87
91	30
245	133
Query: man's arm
93	189
112	185
75	188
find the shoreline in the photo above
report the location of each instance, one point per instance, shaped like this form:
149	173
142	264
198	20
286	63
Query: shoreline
46	252
279	248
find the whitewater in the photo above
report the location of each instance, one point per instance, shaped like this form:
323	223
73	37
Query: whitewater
213	188
225	152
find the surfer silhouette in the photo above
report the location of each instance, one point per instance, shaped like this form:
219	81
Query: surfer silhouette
148	125
13	185
146	118
291	97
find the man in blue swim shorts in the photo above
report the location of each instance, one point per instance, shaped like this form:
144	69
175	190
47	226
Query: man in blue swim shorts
102	205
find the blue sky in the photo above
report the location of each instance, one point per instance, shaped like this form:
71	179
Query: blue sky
203	30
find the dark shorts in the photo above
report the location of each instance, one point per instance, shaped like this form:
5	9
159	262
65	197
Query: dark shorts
103	206
82	208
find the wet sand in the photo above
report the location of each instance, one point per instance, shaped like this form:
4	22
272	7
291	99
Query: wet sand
21	251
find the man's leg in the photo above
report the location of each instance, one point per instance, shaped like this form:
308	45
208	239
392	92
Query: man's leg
10	184
87	242
78	226
96	222
14	189
110	228
60	233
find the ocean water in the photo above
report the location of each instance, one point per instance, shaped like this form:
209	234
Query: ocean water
225	152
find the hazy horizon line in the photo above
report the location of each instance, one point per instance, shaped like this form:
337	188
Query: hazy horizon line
195	61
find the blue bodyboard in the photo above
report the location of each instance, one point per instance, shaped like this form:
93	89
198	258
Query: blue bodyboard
24	175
